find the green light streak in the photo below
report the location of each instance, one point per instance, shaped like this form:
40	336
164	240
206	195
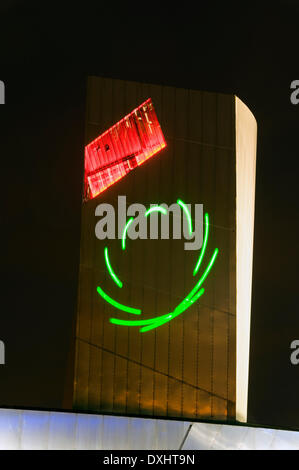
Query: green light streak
117	321
196	296
187	213
185	304
156	209
177	311
192	297
203	277
110	270
153	325
117	304
123	242
203	249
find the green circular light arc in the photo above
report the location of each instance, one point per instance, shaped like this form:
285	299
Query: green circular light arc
187	213
110	270
123	241
204	246
116	304
190	299
156	209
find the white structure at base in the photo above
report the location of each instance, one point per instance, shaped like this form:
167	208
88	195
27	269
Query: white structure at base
43	430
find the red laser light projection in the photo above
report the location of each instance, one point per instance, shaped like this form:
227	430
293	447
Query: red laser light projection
125	145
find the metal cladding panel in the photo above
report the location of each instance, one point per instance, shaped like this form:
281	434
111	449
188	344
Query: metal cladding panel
185	368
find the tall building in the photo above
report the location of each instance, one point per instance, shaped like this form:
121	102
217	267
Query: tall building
163	330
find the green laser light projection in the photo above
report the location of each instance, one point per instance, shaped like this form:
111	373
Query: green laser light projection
187	213
116	304
203	249
110	270
123	242
156	209
190	299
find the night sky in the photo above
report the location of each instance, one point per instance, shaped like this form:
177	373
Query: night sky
45	56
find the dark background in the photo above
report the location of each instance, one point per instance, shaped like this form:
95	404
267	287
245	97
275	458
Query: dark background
249	49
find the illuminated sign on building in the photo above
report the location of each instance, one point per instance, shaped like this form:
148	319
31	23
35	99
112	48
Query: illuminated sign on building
121	148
